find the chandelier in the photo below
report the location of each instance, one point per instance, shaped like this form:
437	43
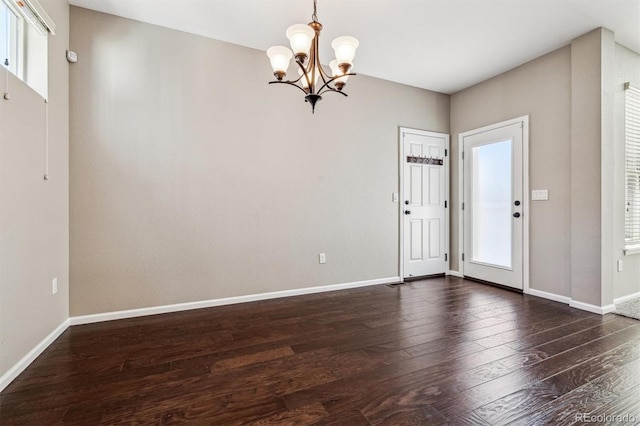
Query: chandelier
312	79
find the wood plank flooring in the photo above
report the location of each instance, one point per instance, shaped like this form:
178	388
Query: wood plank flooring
437	351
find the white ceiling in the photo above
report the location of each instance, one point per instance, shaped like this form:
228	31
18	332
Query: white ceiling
441	45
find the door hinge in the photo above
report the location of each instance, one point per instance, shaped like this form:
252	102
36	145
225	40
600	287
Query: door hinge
462	206
446	257
445	204
446	152
463	257
463	155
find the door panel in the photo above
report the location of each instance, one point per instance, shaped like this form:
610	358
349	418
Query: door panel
493	205
415	198
423	203
434	239
416	233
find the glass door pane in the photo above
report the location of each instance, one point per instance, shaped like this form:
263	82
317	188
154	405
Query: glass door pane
491	225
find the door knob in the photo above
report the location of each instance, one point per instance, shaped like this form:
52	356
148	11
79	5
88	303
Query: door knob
406	202
407	212
517	203
516	214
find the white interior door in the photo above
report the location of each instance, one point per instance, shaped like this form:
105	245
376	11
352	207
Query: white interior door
493	206
423	205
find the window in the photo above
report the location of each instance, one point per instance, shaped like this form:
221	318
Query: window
11	39
24	27
632	168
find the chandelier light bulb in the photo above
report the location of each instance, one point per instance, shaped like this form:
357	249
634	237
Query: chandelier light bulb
280	57
337	72
345	49
303	80
300	36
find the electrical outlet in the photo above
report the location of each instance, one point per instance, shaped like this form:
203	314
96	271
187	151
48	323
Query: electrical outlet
619	265
322	258
54	286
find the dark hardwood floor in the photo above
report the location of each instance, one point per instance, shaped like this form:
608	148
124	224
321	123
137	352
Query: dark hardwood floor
437	351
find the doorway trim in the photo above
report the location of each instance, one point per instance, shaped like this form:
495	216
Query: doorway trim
401	155
525	190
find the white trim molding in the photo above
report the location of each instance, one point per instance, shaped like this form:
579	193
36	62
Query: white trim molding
454	273
631	250
26	360
626	298
602	310
163	309
593	308
550	296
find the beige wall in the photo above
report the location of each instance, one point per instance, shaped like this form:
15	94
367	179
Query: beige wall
540	89
193	179
627	69
34	214
575	102
588	167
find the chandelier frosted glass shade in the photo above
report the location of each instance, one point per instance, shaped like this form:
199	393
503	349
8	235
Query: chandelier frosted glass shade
280	57
338	74
300	36
345	49
313	79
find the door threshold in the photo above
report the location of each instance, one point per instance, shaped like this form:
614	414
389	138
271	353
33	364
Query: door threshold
505	287
423	277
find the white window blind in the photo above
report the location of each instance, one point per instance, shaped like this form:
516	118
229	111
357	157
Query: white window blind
632	166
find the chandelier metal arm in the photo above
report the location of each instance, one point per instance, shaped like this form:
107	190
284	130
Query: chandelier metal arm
304	75
333	91
331	80
290	83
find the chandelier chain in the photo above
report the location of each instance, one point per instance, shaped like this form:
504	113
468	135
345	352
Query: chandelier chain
314	16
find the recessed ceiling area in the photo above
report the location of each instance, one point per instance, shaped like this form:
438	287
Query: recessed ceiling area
440	45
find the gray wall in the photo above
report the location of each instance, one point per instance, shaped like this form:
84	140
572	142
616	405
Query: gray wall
192	179
34	214
542	90
576	105
627	69
589	135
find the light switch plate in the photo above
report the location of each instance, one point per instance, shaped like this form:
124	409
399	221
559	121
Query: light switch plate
539	194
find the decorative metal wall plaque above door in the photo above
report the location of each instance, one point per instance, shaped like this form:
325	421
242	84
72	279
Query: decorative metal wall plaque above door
425	160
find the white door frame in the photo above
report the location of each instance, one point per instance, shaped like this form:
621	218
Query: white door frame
525	191
401	157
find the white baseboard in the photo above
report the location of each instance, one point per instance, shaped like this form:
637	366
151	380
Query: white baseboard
626	298
455	274
154	310
573	303
26	360
549	296
592	308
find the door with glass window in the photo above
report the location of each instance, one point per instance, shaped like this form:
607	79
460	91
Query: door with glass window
493	204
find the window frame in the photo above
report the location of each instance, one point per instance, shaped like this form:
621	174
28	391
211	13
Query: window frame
632	169
15	32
